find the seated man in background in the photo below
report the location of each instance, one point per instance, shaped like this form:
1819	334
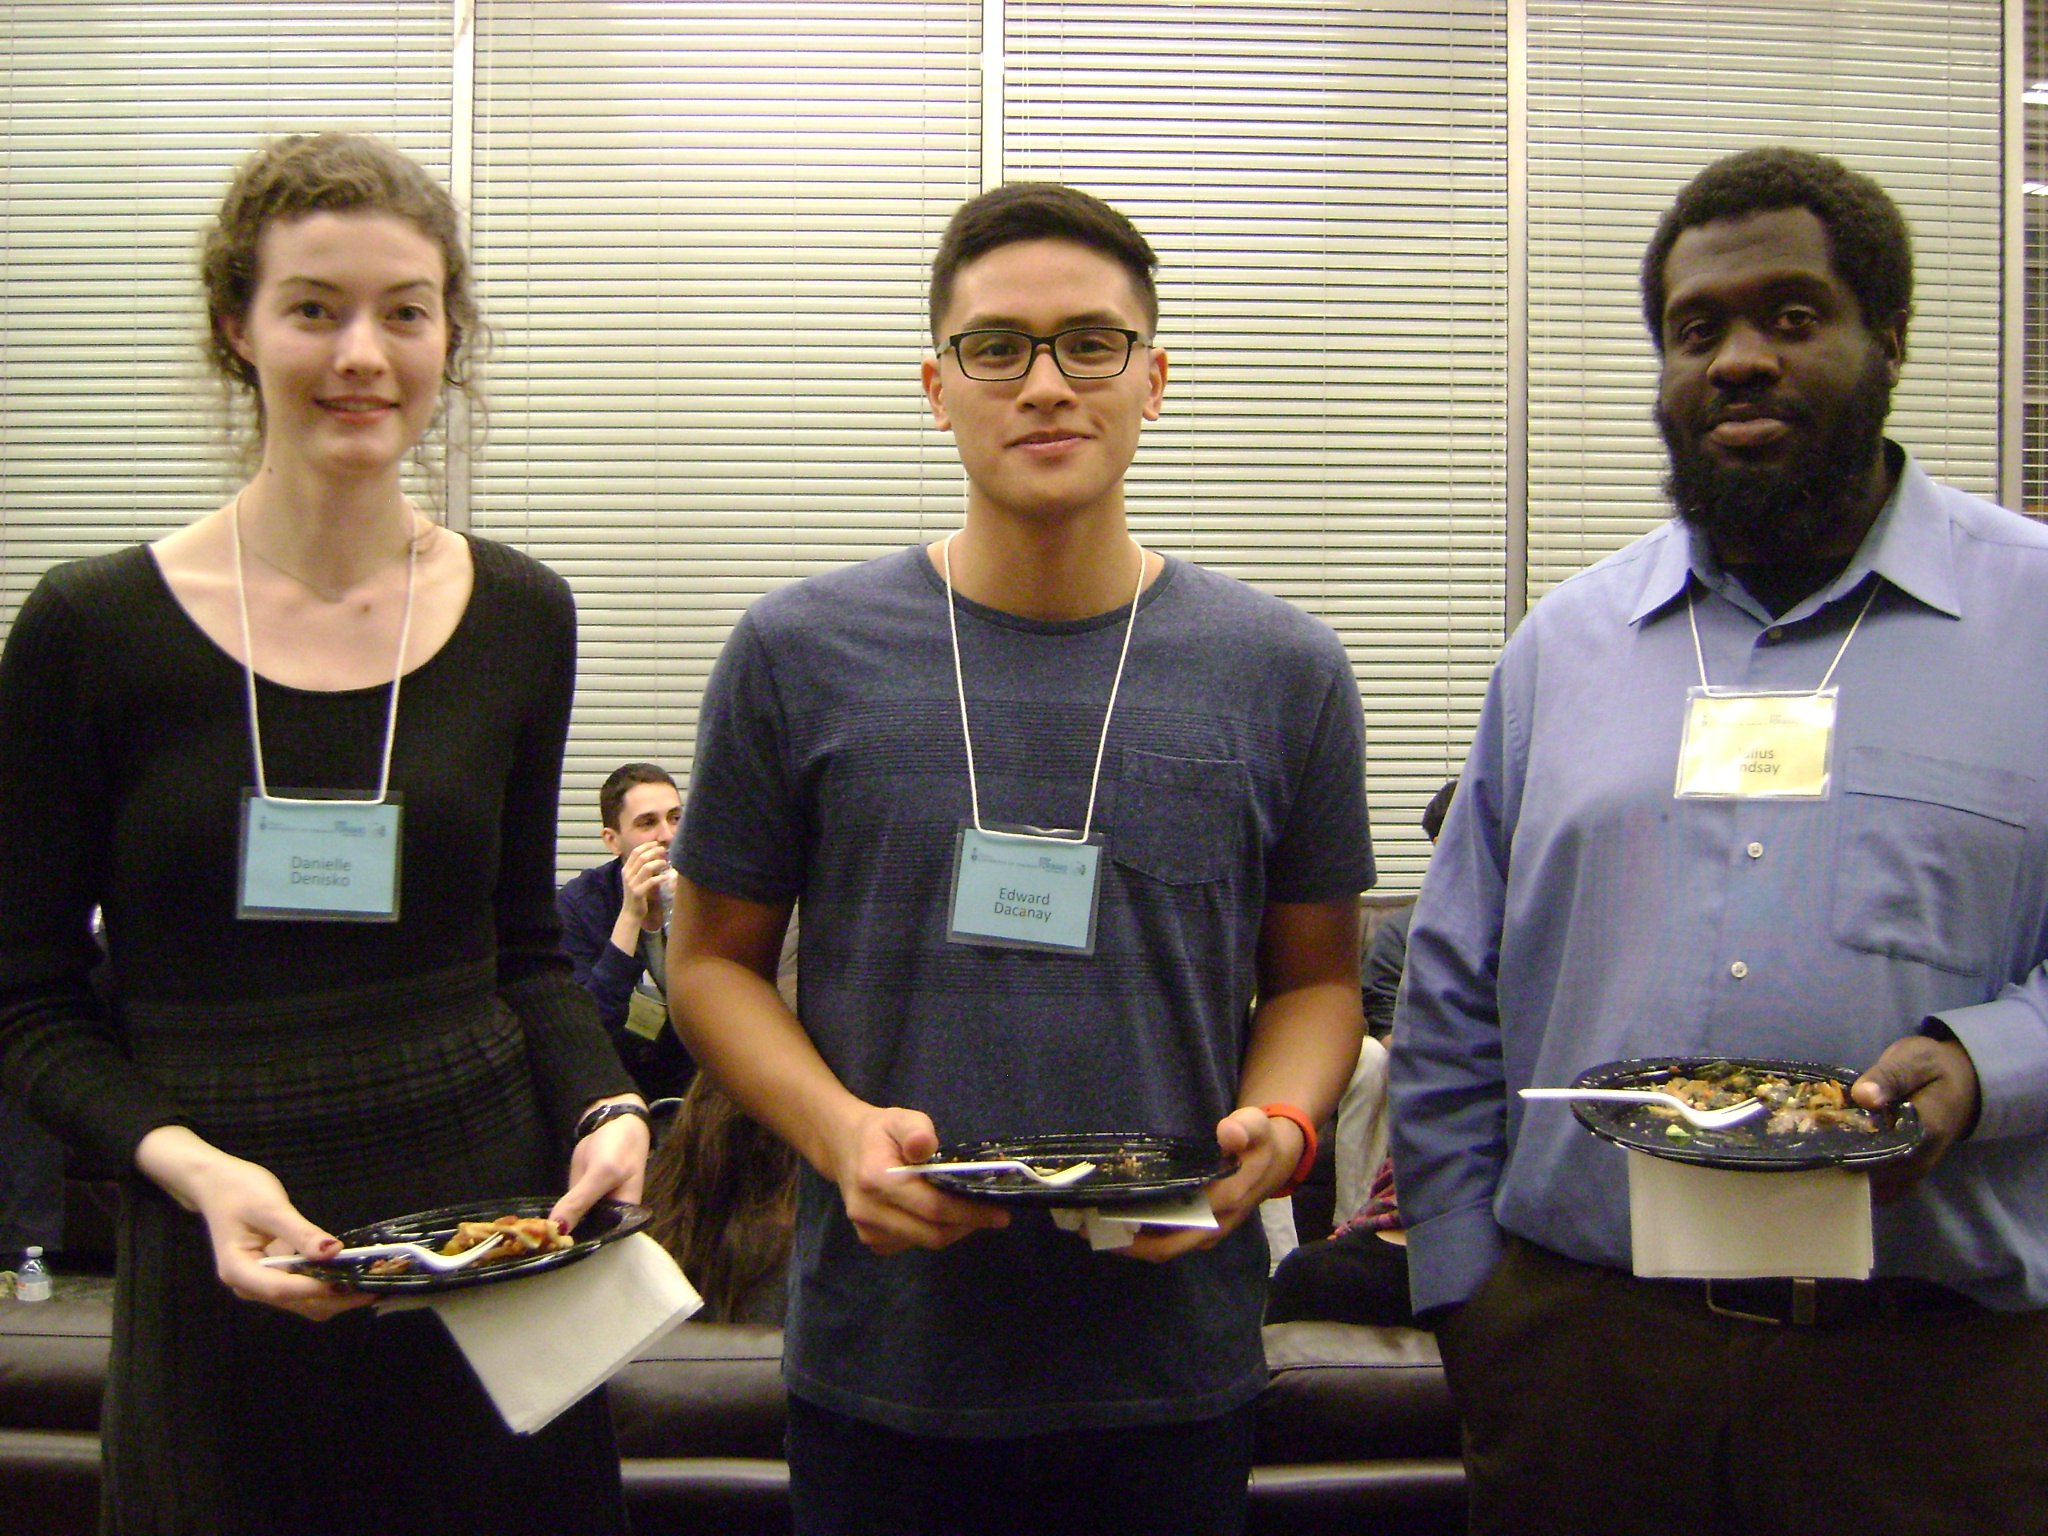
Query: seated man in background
615	926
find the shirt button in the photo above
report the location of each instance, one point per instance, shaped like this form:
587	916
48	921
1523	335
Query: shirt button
1755	850
1775	633
1738	970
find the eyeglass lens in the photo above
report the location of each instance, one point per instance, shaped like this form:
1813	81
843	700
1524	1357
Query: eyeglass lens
1086	352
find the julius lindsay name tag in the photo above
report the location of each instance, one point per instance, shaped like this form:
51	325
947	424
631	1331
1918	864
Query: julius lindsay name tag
1756	746
305	860
1025	892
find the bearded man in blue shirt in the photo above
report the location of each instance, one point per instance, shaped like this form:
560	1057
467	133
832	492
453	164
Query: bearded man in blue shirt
1592	899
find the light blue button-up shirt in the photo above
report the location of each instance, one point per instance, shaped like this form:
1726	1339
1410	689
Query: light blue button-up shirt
1576	911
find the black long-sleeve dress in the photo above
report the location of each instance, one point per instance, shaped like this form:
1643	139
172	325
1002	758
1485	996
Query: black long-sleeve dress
376	1068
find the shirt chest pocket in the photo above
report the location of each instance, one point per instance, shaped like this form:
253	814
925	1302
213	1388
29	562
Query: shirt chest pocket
1180	820
1928	858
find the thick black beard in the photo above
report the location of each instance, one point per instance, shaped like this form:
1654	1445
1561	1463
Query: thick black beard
1790	513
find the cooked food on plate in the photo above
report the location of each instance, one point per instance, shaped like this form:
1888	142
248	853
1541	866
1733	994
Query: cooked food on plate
524	1236
1796	1108
1119	1165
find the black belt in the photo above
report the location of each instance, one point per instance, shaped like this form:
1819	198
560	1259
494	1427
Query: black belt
1828	1303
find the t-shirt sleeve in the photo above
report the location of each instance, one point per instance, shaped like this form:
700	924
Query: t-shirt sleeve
1325	849
58	1051
744	832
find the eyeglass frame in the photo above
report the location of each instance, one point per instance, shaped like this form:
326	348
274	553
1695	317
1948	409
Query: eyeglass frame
1132	339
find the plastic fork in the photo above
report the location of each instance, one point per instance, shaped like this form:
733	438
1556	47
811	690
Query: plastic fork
427	1258
1705	1119
1059	1178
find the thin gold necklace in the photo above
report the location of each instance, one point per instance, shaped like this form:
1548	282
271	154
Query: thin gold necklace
325	594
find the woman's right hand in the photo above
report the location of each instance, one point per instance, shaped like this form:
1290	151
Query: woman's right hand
249	1217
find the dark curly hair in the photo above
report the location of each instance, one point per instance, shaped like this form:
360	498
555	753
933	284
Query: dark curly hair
1040	210
1867	235
308	173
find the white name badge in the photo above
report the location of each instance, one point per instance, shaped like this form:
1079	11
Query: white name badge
1025	892
319	862
1756	746
646	1015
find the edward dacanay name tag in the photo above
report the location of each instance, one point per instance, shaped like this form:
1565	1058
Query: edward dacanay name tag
1025	892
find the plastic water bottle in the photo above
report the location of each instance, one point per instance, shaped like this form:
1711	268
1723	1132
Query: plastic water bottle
32	1280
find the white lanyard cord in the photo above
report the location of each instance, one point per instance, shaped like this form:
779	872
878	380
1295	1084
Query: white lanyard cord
412	551
1843	650
960	687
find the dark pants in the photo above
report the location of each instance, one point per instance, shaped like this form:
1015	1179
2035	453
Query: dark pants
31	1184
1596	1402
1354	1277
848	1477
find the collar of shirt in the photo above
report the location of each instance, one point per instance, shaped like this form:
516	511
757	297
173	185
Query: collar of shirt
1911	545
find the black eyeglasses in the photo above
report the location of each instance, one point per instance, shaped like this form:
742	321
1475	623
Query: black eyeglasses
1084	352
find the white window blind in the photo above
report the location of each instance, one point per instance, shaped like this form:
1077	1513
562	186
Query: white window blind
2034	131
119	127
1326	187
704	232
1626	102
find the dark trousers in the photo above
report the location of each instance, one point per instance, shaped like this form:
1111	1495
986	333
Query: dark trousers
31	1184
1354	1277
848	1477
1595	1402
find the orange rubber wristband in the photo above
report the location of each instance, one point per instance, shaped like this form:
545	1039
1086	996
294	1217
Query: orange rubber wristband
1308	1146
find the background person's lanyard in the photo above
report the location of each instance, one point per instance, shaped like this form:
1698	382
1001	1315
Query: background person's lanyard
1759	744
1020	887
310	857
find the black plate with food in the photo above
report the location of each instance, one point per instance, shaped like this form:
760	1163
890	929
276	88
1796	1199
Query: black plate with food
606	1222
1130	1167
1809	1123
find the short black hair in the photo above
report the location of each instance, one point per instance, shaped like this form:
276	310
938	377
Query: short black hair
611	798
1439	807
1041	210
1869	243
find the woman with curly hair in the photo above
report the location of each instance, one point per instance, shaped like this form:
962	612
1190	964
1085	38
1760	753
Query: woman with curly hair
305	753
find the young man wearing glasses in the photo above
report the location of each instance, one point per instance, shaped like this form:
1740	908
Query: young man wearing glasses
1058	809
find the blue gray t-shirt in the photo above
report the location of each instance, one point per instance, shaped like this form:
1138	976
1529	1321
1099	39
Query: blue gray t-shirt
830	770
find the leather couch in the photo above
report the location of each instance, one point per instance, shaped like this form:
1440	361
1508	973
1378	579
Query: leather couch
1356	1433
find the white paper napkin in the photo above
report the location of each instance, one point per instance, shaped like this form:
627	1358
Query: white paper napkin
542	1343
1118	1226
1689	1222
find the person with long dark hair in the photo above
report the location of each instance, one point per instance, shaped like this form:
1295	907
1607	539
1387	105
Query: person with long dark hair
723	1190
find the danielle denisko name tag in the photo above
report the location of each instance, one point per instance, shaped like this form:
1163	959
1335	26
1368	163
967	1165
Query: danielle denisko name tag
308	860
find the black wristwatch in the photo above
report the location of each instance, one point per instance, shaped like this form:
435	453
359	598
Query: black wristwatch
605	1114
